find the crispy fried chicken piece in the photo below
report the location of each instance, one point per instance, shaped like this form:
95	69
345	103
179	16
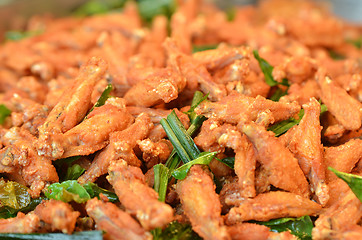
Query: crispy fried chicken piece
154	152
229	136
219	58
284	171
307	148
163	86
194	72
339	218
302	92
20	154
237	107
120	147
343	157
28	114
296	69
201	204
117	224
71	108
93	133
252	231
57	215
272	205
139	199
346	109
22	223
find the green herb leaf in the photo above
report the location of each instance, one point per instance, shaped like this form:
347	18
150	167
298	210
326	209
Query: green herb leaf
67	191
283	126
266	68
86	235
74	172
94	191
148	9
278	94
176	231
13	194
353	181
228	161
19	35
94	7
300	227
104	96
205	159
335	55
200	48
161	175
4	113
356	42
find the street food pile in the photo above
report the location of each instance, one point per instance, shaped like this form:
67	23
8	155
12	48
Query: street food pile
211	124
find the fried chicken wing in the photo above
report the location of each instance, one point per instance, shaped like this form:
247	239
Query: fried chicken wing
345	108
120	147
57	215
139	199
22	223
252	231
336	221
307	148
237	107
343	157
283	169
93	133
201	204
116	223
272	205
71	108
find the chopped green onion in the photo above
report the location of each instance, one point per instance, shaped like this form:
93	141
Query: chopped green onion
175	141
4	113
204	158
162	174
186	141
353	181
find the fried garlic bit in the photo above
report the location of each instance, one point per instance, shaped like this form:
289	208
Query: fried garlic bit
272	205
201	204
137	197
117	224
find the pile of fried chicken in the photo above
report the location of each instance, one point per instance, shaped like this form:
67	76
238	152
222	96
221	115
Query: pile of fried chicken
51	81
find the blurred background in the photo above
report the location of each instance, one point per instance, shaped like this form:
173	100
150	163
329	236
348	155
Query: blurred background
13	13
